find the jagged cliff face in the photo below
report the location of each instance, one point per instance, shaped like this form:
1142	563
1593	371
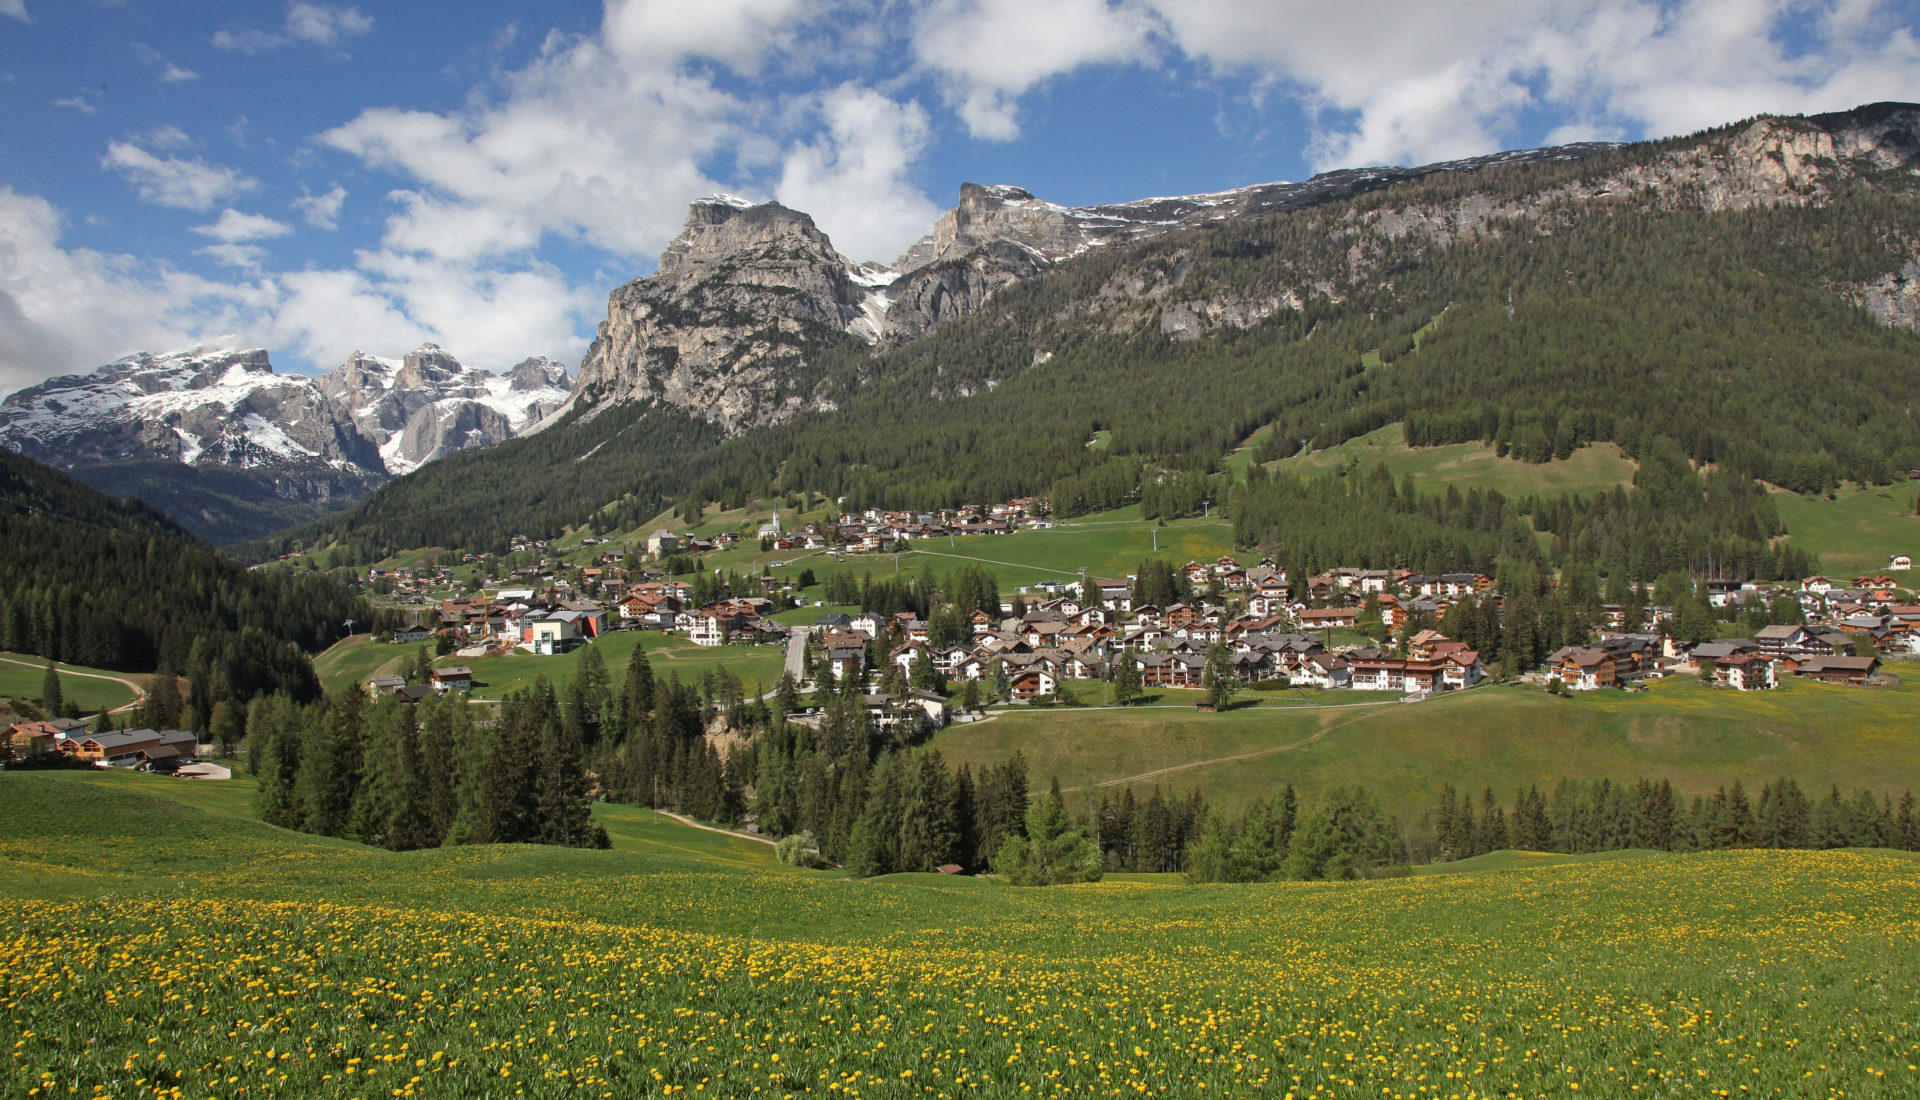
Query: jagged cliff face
748	295
743	298
428	405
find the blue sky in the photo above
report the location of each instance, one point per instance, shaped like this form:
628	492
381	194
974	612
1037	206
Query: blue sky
317	177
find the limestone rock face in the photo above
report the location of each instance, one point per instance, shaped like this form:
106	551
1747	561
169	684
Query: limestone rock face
1894	298
744	299
428	404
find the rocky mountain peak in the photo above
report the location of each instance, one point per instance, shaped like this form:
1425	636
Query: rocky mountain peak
743	297
537	373
428	367
725	229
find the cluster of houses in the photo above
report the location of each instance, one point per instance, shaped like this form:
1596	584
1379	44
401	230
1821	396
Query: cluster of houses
142	750
1822	652
1064	638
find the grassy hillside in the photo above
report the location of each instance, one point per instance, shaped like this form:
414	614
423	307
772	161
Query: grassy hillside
91	689
1499	736
354	660
153	945
1466	465
1856	531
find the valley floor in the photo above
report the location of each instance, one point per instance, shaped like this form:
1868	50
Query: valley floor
154	940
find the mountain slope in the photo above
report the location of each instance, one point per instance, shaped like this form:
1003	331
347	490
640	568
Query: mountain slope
1707	290
90	579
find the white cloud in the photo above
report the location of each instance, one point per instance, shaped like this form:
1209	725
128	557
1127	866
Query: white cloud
234	226
583	145
246	257
69	310
15	8
166	137
75	103
490	318
991	52
853	177
323	25
174	181
322	211
168	72
738	33
1410	81
63	311
326	24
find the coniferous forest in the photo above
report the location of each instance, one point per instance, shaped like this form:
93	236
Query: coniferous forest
92	580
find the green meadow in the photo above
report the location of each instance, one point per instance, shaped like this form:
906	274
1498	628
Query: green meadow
1858	530
354	660
22	675
1502	736
156	941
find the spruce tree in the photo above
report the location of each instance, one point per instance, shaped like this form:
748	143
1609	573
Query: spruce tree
52	703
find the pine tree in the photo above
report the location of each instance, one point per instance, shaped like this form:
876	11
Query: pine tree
1126	679
52	703
1055	849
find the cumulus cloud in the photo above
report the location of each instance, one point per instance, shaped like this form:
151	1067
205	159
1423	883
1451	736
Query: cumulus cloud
737	33
583	145
246	257
1407	81
63	311
322	211
185	184
853	177
323	25
991	52
15	8
233	226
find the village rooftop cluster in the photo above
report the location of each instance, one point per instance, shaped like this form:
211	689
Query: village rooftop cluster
1271	631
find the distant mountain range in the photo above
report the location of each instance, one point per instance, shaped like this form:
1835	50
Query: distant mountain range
234	450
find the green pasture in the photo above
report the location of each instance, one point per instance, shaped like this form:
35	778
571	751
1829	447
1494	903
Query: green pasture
1469	465
1858	530
352	661
22	675
1503	736
669	655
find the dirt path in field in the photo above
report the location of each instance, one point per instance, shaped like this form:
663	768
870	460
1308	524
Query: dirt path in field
139	692
691	823
1239	756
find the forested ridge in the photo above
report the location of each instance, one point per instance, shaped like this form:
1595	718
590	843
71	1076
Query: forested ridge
1632	320
89	579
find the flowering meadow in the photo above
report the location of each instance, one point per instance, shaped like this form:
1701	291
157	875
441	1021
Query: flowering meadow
151	948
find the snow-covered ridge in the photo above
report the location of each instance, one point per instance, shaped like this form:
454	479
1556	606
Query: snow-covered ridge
204	406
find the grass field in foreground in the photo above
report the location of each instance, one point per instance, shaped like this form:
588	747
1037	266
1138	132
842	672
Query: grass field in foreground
150	948
1499	736
22	675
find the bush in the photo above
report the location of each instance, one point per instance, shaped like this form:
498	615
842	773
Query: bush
799	850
